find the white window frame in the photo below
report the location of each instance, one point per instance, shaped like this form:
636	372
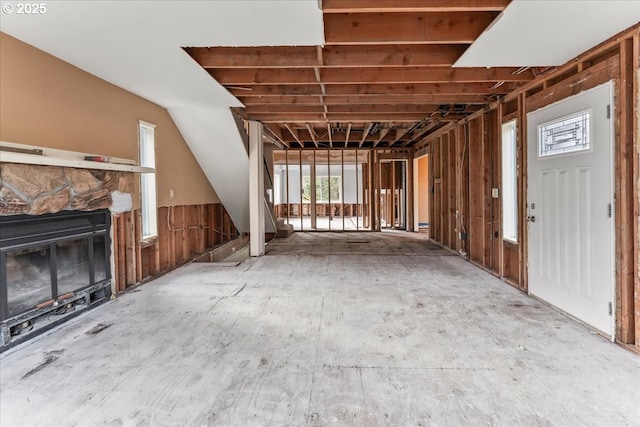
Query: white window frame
509	145
148	187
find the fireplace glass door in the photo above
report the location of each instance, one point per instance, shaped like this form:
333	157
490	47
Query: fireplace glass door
51	257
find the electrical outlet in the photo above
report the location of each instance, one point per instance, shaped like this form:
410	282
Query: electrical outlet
171	194
495	193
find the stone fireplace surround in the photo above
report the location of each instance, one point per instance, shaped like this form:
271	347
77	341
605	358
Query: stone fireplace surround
36	190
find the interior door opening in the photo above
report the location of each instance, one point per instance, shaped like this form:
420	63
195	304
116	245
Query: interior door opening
421	194
393	194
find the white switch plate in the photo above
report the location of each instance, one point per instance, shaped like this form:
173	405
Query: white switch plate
495	193
171	194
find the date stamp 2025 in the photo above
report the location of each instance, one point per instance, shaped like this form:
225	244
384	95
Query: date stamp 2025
24	8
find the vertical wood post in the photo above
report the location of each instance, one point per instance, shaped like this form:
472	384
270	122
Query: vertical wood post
256	189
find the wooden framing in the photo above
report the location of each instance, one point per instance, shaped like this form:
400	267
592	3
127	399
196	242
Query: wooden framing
636	181
384	63
184	233
617	60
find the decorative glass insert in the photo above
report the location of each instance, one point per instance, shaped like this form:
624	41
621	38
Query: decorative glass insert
565	135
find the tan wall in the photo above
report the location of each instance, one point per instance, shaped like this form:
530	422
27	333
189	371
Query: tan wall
48	102
423	189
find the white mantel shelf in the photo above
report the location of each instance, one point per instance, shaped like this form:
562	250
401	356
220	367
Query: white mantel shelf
70	159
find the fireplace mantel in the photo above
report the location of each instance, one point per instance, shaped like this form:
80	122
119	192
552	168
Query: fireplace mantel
65	158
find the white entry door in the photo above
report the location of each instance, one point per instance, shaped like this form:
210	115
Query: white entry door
570	201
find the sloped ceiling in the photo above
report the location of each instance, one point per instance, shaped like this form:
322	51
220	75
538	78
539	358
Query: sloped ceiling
137	45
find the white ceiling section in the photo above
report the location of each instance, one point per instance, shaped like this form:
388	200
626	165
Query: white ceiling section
137	45
548	32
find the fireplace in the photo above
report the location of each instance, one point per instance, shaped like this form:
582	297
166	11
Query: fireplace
52	267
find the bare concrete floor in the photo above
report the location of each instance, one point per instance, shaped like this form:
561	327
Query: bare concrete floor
327	329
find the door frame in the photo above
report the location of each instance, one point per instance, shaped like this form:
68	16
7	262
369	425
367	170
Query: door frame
417	189
408	205
612	164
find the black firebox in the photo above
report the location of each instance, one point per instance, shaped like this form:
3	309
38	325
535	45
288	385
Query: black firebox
52	267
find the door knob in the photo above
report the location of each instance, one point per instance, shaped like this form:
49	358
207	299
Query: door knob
531	218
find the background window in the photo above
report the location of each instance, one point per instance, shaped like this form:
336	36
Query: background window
146	135
324	186
509	183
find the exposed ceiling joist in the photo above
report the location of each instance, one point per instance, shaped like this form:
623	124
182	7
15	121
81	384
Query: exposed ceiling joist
360	117
346	139
405	27
383	79
296	110
375	89
294	133
383	133
312	134
365	134
472	99
276	134
392	55
247	77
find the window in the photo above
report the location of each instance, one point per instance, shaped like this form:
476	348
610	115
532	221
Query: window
565	135
322	189
509	183
146	135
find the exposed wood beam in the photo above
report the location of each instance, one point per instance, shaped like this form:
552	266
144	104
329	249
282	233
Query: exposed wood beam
414	89
421	133
274	141
390	108
405	27
383	133
262	57
283	108
294	109
264	90
294	133
373	6
258	76
300	76
356	117
323	89
422	74
346	138
355	135
400	133
312	134
365	133
276	133
376	89
388	99
392	55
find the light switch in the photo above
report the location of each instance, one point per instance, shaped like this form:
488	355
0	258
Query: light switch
495	193
171	194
